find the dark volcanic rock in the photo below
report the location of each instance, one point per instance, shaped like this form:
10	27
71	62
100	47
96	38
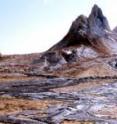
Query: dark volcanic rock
113	63
52	58
97	22
85	30
70	56
88	37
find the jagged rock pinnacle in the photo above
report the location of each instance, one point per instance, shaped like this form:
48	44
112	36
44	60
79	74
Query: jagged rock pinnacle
88	37
85	29
97	21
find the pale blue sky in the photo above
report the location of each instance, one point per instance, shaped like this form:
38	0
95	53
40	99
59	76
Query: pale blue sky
28	26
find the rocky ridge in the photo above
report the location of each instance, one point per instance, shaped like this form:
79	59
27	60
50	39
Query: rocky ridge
88	37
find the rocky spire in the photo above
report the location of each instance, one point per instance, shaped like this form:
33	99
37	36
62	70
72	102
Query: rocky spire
85	29
97	22
90	32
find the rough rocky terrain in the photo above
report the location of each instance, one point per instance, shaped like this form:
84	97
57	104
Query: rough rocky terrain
74	82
